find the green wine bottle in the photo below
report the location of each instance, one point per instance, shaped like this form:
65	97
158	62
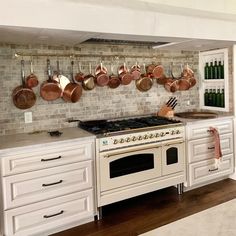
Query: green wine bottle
206	71
215	70
218	98
206	97
210	98
213	97
220	71
222	98
211	70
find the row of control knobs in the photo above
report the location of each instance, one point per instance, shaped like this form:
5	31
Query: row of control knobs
150	136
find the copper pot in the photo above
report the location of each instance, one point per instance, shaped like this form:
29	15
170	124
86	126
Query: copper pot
79	77
88	82
102	78
135	71
31	79
144	83
23	97
72	91
171	85
114	81
50	90
124	75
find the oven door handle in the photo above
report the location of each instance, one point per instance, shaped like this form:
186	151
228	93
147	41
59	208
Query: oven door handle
169	144
135	150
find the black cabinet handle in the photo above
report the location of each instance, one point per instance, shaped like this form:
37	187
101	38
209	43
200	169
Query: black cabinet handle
56	214
52	159
211	148
210	170
45	185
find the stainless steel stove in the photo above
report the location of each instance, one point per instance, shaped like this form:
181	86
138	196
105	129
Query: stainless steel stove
136	155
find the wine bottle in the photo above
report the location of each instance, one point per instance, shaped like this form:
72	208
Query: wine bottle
222	70
206	71
210	98
213	97
218	95
215	70
219	68
206	97
222	98
211	70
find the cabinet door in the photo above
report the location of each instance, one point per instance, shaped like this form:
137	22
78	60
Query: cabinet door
35	219
220	56
36	186
203	171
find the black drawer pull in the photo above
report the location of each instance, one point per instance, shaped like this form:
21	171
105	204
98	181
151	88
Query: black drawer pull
49	216
52	159
45	185
211	147
210	170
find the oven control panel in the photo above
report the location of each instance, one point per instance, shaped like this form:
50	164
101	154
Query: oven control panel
137	138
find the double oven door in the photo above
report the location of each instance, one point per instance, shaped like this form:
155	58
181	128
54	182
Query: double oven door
127	166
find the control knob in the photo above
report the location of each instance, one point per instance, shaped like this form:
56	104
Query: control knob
127	140
145	136
157	135
122	140
162	134
151	136
134	138
115	141
177	132
172	132
140	137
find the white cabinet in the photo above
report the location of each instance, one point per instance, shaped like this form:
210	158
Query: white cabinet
47	189
201	153
214	77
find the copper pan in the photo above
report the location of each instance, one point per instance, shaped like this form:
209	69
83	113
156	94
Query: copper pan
79	77
23	97
144	83
171	85
31	79
72	91
102	78
135	71
158	71
88	82
50	90
124	75
114	81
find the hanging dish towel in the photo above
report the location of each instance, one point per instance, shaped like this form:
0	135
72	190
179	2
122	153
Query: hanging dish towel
218	153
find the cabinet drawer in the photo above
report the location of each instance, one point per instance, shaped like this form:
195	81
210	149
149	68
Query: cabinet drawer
201	149
201	130
37	218
200	172
35	186
40	157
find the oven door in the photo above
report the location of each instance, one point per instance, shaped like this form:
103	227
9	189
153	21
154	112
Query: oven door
119	168
173	157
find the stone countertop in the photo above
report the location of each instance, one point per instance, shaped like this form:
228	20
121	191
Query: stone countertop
41	137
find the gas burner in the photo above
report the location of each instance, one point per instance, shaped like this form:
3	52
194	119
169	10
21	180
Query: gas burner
107	127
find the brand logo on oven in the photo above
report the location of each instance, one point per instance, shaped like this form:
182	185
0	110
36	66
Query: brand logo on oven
104	142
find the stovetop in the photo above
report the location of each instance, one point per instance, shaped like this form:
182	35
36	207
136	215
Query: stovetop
107	127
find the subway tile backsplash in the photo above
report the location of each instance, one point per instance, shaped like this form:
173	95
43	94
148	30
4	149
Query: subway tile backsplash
102	102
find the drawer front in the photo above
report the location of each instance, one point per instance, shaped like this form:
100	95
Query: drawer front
40	217
201	130
38	157
35	186
203	149
204	171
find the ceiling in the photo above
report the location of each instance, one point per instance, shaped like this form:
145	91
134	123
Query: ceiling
27	35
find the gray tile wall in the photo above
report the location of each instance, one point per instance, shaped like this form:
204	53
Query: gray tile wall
102	102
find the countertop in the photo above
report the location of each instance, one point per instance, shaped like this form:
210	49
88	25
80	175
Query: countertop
21	140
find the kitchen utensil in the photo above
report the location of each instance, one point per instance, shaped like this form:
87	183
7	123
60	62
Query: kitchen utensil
173	107
135	71
162	80
124	75
144	83
79	77
50	90
114	81
158	71
23	97
31	79
72	91
169	101
88	82
102	78
171	85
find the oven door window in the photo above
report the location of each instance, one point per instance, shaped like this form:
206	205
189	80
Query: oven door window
131	164
120	169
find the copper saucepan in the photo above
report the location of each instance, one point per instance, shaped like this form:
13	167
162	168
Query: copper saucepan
88	83
32	79
144	83
79	77
135	71
171	85
114	81
124	75
72	91
50	90
102	78
23	97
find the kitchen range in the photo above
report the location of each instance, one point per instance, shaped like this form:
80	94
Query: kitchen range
136	155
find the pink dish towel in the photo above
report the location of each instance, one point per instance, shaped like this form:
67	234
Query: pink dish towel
218	153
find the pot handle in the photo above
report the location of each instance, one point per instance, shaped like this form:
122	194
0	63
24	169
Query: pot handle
49	69
23	72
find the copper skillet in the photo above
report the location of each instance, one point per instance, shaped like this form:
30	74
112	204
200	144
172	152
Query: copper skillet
32	79
188	74
88	83
23	97
50	90
72	91
79	77
135	71
102	77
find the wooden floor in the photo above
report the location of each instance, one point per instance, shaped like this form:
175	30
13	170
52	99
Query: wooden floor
141	214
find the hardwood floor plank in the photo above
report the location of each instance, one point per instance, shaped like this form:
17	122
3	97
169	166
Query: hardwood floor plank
143	213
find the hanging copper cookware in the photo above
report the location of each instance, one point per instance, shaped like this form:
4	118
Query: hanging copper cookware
88	83
158	71
23	97
124	75
79	77
50	90
135	71
171	85
31	79
114	81
144	83
102	77
183	82
188	74
72	91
